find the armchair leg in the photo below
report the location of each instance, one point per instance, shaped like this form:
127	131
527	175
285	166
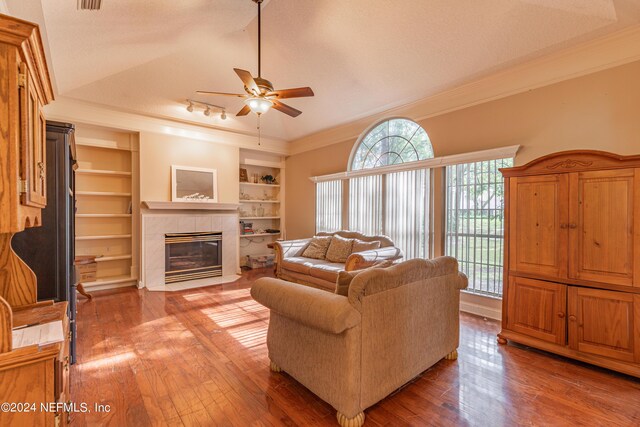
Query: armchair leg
453	355
274	367
356	421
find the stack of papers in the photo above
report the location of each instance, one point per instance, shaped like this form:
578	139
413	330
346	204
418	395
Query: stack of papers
47	333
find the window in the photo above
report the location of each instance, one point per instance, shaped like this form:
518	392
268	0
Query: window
474	222
392	142
329	206
365	204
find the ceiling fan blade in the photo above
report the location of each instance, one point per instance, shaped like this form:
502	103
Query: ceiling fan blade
298	92
244	111
205	92
284	108
248	81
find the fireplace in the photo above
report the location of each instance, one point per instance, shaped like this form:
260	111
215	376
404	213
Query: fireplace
192	256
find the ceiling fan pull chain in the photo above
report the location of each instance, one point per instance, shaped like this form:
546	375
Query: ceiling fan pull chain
259	131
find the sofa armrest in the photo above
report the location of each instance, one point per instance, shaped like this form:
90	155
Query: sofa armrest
360	260
288	248
312	307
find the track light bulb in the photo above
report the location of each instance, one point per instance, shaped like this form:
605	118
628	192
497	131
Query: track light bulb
190	107
207	112
223	115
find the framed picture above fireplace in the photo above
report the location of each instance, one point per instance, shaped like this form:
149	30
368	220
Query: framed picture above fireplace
190	184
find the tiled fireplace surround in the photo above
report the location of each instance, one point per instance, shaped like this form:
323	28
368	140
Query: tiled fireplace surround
156	224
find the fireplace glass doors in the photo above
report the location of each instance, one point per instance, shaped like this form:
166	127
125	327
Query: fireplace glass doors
191	256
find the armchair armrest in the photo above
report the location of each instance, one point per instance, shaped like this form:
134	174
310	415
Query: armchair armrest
312	307
360	260
288	248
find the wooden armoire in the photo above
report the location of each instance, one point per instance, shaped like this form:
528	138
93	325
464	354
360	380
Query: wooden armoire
572	257
38	373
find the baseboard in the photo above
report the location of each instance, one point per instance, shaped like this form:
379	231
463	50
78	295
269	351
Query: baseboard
89	288
481	310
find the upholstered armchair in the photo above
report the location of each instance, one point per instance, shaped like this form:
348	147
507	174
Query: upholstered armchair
292	266
353	351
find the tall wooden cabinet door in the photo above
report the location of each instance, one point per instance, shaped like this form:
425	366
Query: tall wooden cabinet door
537	309
604	323
602	225
33	144
538	214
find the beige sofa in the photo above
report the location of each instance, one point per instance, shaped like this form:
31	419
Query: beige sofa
320	273
354	351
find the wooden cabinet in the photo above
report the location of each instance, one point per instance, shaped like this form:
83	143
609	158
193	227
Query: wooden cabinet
32	141
604	323
537	309
539	224
602	226
572	257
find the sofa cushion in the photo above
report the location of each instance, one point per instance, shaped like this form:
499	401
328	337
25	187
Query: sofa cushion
361	245
317	248
345	277
328	271
301	264
339	249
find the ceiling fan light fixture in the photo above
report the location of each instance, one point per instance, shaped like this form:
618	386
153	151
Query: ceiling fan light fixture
259	105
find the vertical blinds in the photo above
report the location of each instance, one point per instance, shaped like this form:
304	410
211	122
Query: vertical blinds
329	206
407	211
365	204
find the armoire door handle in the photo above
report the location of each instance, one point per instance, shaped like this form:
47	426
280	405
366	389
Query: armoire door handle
573	225
572	318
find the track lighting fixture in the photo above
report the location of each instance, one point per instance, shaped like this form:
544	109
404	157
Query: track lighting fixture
207	108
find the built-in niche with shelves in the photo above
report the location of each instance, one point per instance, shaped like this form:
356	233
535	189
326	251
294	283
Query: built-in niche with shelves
261	203
107	205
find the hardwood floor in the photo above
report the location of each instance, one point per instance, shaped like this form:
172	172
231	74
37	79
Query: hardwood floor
199	357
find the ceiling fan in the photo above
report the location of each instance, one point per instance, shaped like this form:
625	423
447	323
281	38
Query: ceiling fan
260	95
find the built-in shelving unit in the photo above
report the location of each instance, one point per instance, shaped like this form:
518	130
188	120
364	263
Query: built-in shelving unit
106	215
261	204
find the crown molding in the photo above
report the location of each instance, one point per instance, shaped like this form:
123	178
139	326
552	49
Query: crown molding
596	55
82	112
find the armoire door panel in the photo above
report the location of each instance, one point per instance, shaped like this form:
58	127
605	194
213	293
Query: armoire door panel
538	217
537	309
604	323
601	227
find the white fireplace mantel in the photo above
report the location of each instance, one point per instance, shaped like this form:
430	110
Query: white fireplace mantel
191	206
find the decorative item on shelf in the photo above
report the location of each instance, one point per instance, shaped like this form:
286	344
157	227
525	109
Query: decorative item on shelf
255	178
272	231
190	184
260	210
244	196
268	179
244	176
246	227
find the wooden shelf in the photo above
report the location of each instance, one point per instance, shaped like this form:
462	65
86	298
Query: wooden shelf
105	237
259	217
253	184
102	172
105	215
100	143
259	201
259	235
102	194
112	258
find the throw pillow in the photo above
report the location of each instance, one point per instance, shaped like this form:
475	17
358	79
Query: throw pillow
345	277
361	246
317	248
339	249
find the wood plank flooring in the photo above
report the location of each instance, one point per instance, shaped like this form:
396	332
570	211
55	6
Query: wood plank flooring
199	357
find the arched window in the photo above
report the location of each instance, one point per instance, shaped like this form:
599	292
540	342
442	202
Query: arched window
391	142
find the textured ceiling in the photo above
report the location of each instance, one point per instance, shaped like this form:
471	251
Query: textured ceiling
359	56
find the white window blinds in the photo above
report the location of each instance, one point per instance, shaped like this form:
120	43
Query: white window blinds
365	204
329	206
